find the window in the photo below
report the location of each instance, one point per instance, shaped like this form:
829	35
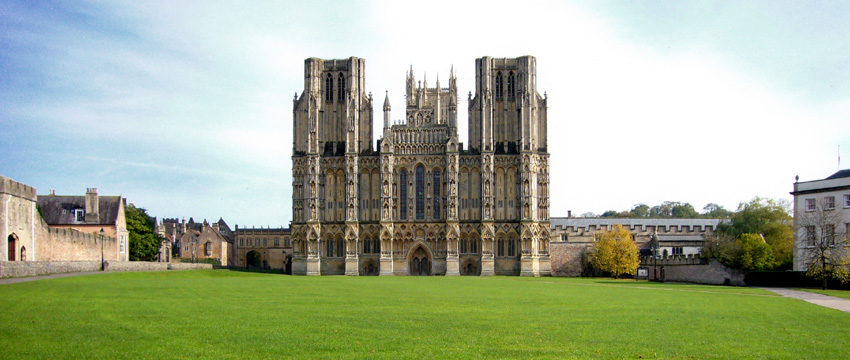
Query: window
500	251
847	200
79	215
463	246
511	247
810	205
810	235
276	242
677	250
420	192
340	248
829	202
123	243
499	86
340	93
329	88
511	87
565	237
829	234
241	242
208	249
402	194
265	242
329	248
367	247
436	186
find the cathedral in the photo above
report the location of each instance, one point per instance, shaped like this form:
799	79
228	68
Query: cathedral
420	203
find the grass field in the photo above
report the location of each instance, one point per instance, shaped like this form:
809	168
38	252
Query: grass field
224	314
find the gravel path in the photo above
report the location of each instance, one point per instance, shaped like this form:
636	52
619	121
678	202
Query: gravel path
832	302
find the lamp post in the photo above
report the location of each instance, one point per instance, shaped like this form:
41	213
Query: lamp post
102	263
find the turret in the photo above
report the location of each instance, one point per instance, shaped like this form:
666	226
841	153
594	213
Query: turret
387	111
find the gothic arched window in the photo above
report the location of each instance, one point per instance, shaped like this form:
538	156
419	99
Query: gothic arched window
340	95
511	86
499	86
420	192
402	194
436	186
329	88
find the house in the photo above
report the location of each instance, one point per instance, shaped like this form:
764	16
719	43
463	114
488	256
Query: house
821	217
90	213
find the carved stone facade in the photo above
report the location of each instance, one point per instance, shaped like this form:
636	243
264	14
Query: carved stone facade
420	204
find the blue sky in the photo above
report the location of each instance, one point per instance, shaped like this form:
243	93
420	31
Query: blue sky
185	108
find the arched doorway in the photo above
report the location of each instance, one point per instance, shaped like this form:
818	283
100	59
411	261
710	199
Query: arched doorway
419	263
12	245
287	268
469	268
252	259
370	268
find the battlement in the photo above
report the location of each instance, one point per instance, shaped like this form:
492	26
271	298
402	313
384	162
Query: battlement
14	188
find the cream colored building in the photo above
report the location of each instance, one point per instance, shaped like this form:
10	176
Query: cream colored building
421	203
263	248
821	216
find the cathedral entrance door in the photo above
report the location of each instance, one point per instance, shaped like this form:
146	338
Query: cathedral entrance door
420	265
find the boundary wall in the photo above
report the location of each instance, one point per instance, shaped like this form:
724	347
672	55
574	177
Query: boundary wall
15	269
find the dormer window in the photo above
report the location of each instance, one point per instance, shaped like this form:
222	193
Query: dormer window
80	215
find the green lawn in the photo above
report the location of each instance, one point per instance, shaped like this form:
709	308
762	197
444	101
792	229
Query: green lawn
222	314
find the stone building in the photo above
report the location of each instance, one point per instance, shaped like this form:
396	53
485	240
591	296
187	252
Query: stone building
205	242
420	203
90	213
263	248
821	216
27	236
18	220
664	238
189	239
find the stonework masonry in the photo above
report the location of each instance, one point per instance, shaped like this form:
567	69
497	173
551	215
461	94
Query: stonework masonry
420	203
13	269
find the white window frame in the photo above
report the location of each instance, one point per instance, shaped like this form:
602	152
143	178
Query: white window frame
77	213
829	202
846	201
123	244
811	205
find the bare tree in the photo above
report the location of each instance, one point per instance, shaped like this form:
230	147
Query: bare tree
825	245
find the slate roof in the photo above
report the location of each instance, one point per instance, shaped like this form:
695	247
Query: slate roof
59	210
840	174
585	222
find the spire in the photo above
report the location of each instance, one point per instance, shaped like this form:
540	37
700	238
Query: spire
387	101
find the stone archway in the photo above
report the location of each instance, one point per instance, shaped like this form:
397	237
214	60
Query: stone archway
470	268
419	262
12	245
370	268
253	259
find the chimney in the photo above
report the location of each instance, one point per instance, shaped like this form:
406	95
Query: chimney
92	205
183	228
569	214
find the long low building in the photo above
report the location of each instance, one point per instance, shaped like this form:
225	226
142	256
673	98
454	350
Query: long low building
572	238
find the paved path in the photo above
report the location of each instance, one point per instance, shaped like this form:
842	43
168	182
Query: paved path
832	302
34	278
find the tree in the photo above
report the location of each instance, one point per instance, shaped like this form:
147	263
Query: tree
685	210
769	218
609	213
824	248
615	252
754	254
714	211
640	210
144	241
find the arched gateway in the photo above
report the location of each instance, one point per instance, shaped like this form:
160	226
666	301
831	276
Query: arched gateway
419	262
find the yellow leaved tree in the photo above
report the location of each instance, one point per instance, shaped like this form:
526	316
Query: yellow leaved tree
615	252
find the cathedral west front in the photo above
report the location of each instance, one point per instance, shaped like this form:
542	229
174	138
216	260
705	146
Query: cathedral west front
420	203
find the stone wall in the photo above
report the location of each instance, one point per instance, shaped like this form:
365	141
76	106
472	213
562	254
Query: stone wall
694	270
12	269
566	257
